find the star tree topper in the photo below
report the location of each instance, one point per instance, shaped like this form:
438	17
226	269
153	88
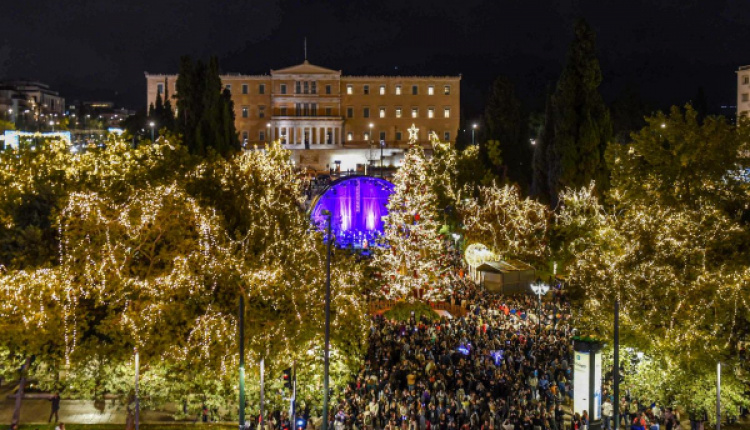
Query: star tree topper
413	133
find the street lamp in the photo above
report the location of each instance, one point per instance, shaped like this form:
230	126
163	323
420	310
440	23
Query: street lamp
268	132
473	127
326	347
151	124
539	289
382	145
52	124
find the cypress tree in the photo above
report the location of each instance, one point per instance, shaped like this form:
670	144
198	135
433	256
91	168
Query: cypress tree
506	121
580	119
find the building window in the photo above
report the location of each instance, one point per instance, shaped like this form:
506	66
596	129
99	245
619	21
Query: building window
431	112
328	89
414	90
446	112
159	89
245	112
367	136
382	135
447	136
314	87
398	90
307	87
414	112
262	135
244	88
366	90
350	112
350	89
314	111
745	97
366	112
262	89
746	79
329	111
431	90
228	87
261	111
398	135
297	87
282	88
447	90
283	111
349	136
244	136
382	112
382	90
298	109
398	112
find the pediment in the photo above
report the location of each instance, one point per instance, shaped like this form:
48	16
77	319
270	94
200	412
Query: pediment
305	69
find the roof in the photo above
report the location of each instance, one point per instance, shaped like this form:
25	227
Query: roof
306	69
504	266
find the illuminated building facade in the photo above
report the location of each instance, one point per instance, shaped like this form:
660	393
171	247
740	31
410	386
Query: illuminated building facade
333	121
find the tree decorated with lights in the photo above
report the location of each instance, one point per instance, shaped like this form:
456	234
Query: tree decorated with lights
414	262
670	245
510	226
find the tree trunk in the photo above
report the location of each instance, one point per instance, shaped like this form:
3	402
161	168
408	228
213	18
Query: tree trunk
19	394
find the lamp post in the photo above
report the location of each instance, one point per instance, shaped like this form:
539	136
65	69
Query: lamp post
539	289
151	124
52	125
242	360
382	145
137	403
326	363
718	395
616	370
473	128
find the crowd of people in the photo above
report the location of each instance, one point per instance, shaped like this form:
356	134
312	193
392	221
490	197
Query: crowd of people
495	367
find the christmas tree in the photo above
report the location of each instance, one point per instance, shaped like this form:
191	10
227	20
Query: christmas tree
414	262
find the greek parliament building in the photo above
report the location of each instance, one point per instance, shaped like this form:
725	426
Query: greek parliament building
332	121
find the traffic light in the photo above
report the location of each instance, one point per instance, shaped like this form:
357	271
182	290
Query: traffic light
287	378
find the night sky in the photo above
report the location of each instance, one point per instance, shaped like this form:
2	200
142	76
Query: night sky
99	49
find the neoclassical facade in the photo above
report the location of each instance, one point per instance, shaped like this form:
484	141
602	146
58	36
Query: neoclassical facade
334	121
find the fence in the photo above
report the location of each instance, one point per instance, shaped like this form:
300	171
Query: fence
378	306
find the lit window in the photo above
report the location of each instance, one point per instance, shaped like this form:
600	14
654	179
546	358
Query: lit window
350	89
398	90
282	88
398	112
414	90
414	112
262	89
430	112
262	135
328	89
382	112
447	112
261	111
366	90
366	112
367	136
745	97
382	135
245	112
350	112
447	136
447	90
431	90
398	135
382	90
159	88
349	136
245	88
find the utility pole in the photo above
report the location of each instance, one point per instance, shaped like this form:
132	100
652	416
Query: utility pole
326	362
242	360
616	370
